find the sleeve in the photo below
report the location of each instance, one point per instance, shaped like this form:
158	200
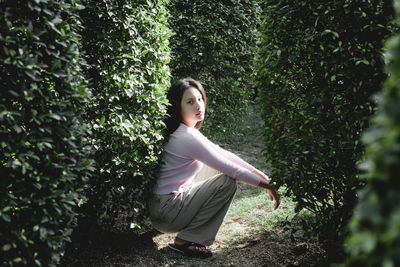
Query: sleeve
232	157
200	148
229	155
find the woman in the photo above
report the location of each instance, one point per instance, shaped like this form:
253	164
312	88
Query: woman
196	209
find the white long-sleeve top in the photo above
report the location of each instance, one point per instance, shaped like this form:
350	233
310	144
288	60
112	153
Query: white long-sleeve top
184	155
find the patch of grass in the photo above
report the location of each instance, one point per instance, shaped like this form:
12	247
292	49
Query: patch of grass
252	214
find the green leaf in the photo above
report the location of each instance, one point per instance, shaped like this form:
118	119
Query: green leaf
5	217
6	247
364	61
55	116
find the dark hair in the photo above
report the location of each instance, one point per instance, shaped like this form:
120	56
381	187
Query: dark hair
174	96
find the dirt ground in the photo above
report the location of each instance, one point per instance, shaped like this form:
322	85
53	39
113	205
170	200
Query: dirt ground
275	249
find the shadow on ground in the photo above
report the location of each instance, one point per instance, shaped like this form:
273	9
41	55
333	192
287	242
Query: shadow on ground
267	249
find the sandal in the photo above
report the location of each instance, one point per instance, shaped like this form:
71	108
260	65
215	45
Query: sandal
200	251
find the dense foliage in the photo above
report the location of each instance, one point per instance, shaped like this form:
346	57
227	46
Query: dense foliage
375	225
319	64
43	162
316	74
214	42
126	50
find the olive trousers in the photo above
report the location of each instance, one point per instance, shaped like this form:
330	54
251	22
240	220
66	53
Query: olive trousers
196	214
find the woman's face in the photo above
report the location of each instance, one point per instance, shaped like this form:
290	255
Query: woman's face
192	106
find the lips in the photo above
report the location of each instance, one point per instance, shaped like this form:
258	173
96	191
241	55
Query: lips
199	113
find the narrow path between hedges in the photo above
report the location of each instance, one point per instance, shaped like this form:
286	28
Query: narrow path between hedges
252	233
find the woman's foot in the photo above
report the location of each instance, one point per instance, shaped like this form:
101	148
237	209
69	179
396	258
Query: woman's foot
190	248
179	242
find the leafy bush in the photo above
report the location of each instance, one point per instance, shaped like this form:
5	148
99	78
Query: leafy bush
319	64
43	162
126	49
214	42
375	225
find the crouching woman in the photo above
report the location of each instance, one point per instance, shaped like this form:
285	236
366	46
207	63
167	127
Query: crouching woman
181	204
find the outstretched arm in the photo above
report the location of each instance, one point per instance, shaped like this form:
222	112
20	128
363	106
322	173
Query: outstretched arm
198	147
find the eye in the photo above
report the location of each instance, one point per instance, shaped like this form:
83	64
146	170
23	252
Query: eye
190	102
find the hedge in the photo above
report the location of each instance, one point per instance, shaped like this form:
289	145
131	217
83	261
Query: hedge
127	54
319	64
375	225
43	155
215	43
